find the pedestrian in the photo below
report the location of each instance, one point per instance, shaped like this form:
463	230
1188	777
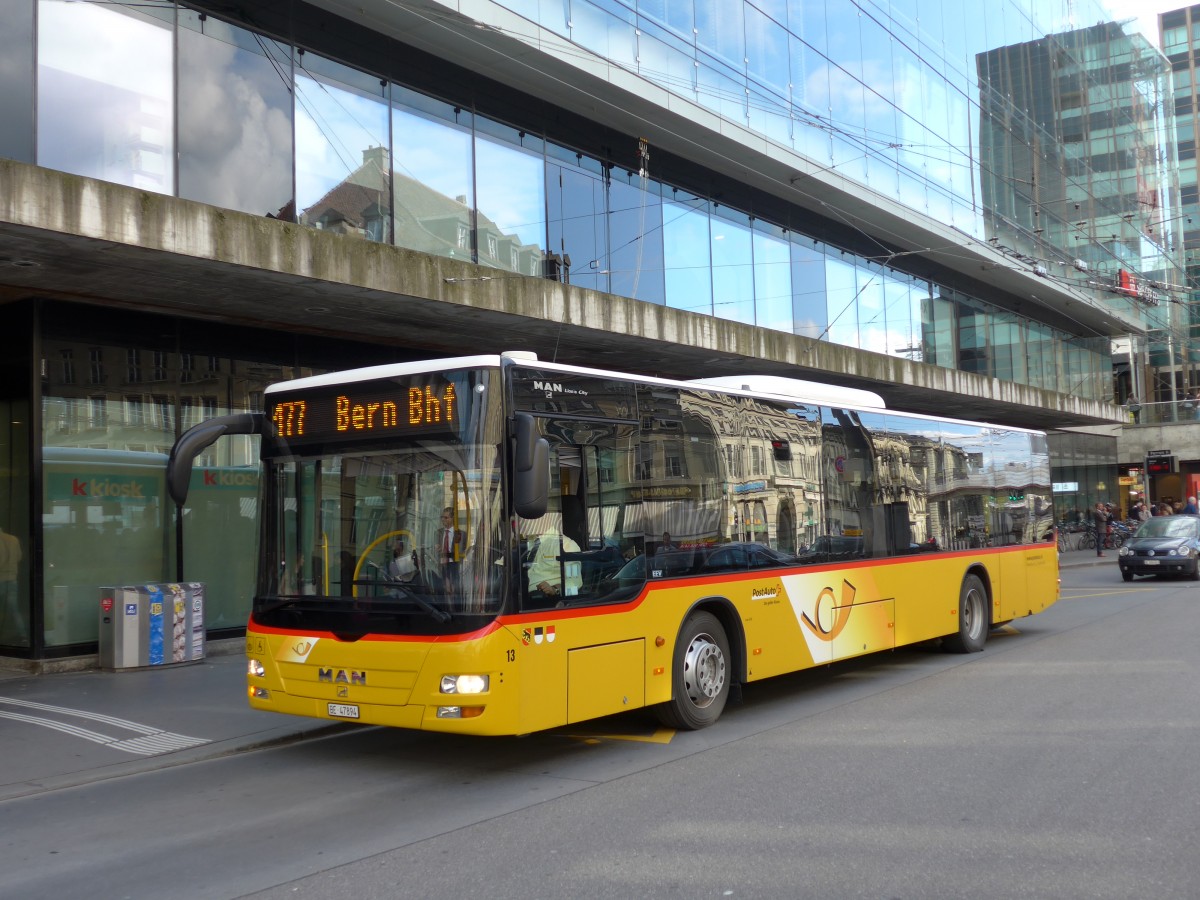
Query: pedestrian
1189	508
1100	522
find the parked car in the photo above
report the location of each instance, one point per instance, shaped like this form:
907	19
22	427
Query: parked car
734	556
1163	545
831	548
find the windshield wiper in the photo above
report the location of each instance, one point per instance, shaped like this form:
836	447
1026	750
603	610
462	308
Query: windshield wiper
279	603
398	590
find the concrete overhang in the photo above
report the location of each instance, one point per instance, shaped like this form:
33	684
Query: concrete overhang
501	45
67	237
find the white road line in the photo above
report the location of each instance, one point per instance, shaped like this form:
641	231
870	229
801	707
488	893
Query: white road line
82	714
153	740
93	736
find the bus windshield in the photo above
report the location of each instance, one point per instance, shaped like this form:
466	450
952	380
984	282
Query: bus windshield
399	534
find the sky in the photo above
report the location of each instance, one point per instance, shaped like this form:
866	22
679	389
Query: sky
1146	11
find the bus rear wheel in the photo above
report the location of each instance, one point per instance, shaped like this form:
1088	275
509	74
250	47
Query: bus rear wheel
700	675
972	618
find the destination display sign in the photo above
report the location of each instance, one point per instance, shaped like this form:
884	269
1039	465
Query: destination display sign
395	407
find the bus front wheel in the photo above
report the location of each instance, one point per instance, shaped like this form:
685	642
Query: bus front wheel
700	675
972	618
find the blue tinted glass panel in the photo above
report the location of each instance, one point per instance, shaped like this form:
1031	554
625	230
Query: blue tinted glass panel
937	331
635	224
16	74
343	163
841	283
810	99
686	242
235	118
772	278
897	313
606	28
106	104
677	15
809	306
766	50
732	266
872	324
577	224
432	181
664	59
722	91
511	206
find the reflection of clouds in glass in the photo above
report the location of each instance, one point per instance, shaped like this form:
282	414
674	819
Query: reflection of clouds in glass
512	191
235	129
333	129
107	45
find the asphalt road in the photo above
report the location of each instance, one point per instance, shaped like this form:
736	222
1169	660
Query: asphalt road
1061	762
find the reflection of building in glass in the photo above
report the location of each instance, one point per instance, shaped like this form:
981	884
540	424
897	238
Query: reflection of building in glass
1180	33
423	219
744	186
1076	170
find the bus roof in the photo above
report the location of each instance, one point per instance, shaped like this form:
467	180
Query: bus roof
796	388
767	386
775	385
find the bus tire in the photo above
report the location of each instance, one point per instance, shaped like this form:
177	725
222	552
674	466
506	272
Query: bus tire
700	675
972	618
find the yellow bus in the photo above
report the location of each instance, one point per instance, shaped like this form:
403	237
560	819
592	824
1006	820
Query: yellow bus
500	545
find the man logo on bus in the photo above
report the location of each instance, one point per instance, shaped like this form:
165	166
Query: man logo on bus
829	616
342	676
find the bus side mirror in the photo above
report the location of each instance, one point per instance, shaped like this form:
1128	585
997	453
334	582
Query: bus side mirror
531	470
193	442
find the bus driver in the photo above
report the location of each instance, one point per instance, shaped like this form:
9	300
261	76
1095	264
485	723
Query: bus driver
545	571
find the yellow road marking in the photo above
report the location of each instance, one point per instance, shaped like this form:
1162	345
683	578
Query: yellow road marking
660	736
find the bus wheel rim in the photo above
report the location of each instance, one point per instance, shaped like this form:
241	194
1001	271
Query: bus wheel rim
973	610
703	670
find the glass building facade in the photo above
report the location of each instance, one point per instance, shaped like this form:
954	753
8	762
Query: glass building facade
925	116
953	112
1180	362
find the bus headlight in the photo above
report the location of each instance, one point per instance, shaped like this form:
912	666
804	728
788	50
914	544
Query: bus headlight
255	668
465	684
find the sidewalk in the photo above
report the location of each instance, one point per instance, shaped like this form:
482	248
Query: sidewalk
72	728
1075	558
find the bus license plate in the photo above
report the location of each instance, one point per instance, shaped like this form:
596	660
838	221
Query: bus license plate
343	710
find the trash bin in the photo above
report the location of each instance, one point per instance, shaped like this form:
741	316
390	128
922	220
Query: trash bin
144	625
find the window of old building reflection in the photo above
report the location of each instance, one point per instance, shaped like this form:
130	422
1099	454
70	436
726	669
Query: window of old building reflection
343	163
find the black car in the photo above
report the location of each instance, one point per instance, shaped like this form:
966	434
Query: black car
1164	545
